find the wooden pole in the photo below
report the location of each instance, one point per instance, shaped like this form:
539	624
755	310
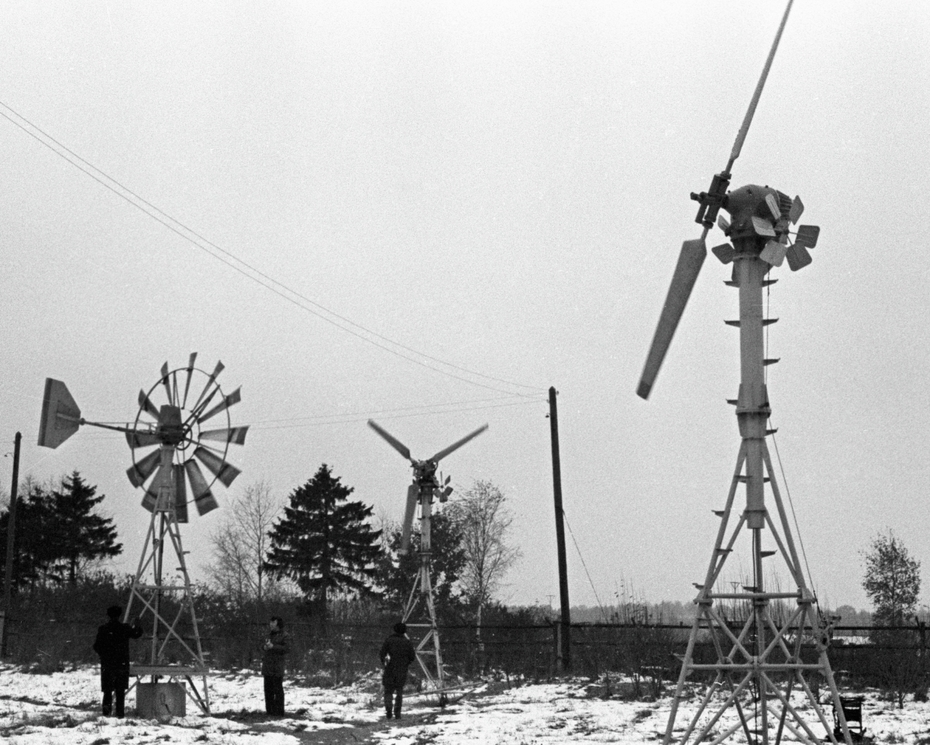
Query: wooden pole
10	535
564	652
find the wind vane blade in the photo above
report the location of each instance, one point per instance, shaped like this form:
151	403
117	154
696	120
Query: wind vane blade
689	265
452	448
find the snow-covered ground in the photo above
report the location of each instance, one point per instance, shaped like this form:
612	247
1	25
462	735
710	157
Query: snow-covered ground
62	709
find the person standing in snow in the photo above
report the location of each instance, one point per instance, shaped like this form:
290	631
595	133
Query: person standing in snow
396	655
112	644
275	649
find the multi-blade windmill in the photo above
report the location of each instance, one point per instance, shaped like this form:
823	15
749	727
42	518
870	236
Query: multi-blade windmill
426	488
175	432
763	660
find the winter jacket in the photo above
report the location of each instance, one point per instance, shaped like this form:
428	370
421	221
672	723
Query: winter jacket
112	644
273	658
396	655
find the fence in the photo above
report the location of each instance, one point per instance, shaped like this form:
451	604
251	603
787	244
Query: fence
646	655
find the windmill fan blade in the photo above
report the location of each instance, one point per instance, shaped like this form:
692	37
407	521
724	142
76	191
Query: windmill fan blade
150	498
413	494
234	435
139	472
392	441
761	226
180	493
166	382
225	472
452	448
689	264
723	223
797	209
774	253
230	400
146	404
807	236
725	252
771	201
190	374
201	404
203	497
798	257
141	438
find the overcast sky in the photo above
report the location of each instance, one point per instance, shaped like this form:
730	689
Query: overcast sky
428	213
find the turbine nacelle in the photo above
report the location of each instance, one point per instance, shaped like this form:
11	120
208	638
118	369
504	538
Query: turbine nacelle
425	486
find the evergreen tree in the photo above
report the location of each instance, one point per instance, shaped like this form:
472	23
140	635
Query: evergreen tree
324	542
58	532
82	535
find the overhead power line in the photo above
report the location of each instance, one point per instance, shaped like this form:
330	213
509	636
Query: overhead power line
254	274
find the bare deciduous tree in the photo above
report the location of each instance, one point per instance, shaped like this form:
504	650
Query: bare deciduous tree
483	521
241	542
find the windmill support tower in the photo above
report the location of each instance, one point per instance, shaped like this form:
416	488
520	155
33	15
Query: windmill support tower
162	592
428	649
424	489
151	587
763	662
775	651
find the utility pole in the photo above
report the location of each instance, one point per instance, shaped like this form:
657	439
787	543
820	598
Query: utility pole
566	621
10	533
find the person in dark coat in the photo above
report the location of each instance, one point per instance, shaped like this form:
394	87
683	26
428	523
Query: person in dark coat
275	649
396	654
112	644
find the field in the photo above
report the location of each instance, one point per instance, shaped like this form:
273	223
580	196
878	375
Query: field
62	709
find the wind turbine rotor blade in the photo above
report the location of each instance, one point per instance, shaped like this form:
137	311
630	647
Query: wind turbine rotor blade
797	209
190	374
392	441
807	236
147	405
723	223
233	435
225	472
231	400
798	257
61	416
203	497
452	448
141	439
689	264
139	472
413	495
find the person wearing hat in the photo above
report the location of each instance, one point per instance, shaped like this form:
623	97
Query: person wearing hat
396	655
112	644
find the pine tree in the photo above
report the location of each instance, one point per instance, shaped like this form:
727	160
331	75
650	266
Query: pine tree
324	542
81	534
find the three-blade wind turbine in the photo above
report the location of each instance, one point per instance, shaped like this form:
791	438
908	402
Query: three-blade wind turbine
426	488
176	431
761	663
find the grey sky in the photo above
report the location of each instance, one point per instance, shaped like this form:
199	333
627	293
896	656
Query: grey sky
503	187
